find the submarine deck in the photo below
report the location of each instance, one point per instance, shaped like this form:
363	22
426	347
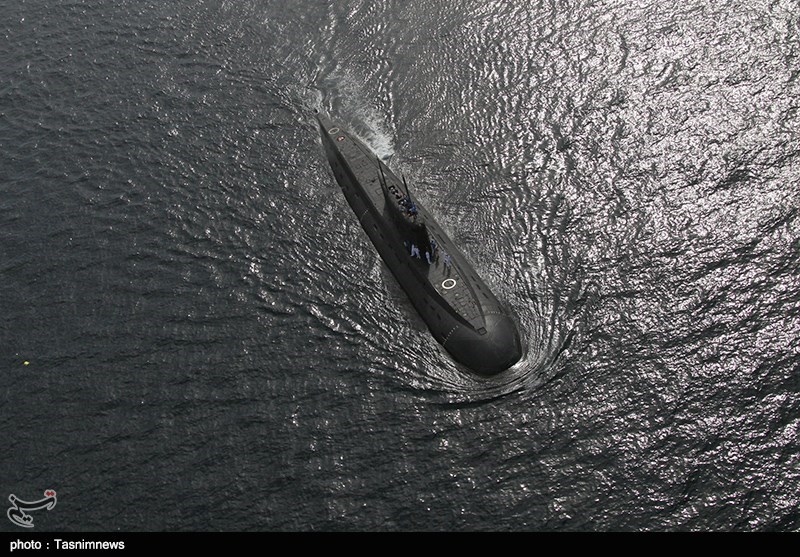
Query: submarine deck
448	273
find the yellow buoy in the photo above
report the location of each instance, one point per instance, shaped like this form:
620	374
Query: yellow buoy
25	363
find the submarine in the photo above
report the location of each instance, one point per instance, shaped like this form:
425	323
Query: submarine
461	312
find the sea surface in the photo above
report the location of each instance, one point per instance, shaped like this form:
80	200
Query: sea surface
197	335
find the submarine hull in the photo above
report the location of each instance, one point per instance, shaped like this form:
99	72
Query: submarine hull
461	312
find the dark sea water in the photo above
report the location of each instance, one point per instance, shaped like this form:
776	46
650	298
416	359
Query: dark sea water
212	343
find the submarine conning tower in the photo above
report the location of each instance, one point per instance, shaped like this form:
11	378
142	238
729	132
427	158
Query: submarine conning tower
404	212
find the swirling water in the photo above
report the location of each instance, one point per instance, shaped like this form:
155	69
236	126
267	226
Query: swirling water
197	335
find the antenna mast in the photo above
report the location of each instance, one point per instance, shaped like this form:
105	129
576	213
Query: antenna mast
380	168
